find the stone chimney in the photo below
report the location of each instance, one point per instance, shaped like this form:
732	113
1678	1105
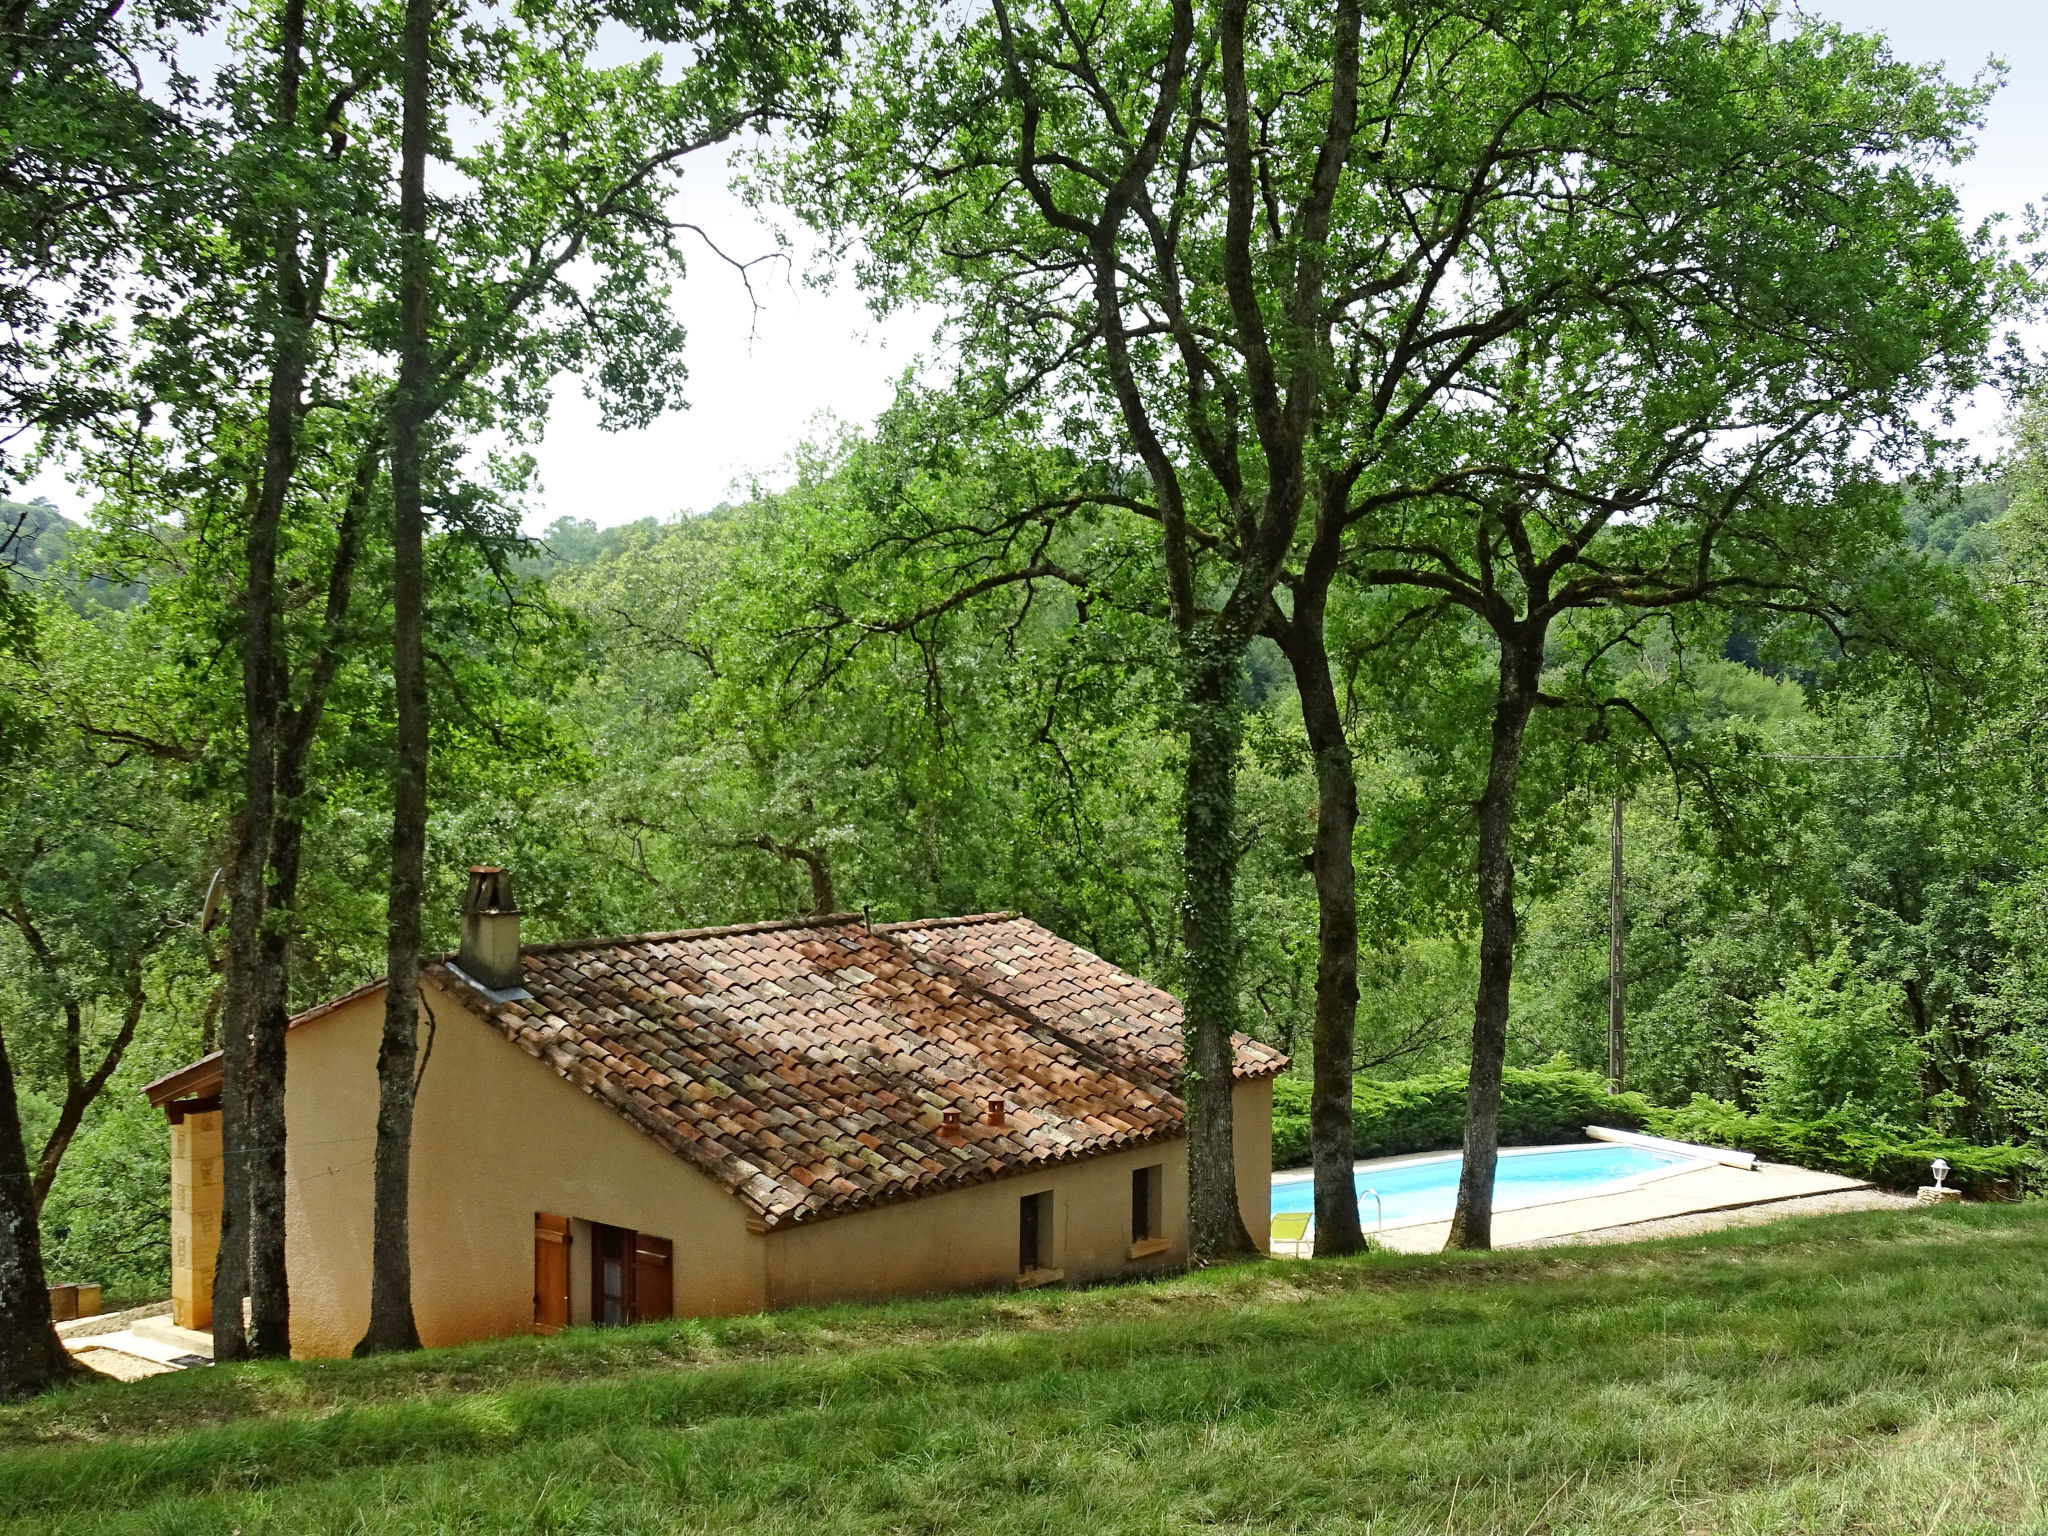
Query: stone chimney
489	954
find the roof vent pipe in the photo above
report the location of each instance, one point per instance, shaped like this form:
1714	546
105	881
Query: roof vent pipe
949	1127
994	1117
489	954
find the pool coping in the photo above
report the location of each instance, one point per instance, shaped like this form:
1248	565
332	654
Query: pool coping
1616	1187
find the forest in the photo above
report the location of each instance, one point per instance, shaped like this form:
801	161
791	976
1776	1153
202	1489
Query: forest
1437	534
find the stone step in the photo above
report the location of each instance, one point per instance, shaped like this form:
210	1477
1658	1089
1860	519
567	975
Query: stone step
161	1330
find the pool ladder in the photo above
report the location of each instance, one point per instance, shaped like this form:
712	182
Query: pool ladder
1379	1211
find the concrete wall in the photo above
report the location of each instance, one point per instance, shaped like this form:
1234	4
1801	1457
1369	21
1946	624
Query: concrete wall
497	1136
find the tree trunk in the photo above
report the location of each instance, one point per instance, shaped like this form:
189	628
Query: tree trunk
1617	919
271	1317
1216	1227
269	1286
1521	660
32	1357
251	1261
1338	1229
80	1090
392	1326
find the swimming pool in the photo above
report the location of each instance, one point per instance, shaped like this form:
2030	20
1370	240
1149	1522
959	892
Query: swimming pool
1426	1189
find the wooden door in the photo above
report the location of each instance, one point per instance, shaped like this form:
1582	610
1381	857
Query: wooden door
550	1273
654	1288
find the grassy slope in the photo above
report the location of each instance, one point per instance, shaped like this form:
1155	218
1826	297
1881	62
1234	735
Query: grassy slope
1878	1373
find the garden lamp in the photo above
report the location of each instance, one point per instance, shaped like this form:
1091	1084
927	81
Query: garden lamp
1940	1171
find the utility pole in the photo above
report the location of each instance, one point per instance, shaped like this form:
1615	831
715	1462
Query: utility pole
1616	930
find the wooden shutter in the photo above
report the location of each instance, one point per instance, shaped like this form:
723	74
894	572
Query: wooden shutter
654	1288
550	1273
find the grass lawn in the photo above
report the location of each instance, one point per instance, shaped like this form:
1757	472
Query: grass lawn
1880	1372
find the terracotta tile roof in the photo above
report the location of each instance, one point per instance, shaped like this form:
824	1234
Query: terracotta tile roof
806	1066
1133	1023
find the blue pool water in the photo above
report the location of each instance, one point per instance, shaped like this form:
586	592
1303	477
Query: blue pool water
1427	1191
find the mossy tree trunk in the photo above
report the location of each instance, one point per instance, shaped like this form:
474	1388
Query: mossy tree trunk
1212	676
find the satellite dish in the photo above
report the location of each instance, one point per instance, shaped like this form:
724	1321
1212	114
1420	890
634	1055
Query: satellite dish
209	910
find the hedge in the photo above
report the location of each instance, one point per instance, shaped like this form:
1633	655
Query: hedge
1842	1144
1427	1114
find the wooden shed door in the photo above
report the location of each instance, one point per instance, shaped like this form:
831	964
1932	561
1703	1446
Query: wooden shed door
550	1273
654	1287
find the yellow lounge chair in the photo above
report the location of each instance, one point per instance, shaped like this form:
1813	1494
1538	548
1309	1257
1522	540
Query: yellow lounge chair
1291	1227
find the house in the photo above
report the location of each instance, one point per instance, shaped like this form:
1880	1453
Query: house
728	1120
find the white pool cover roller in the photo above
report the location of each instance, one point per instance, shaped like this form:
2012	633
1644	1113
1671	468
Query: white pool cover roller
1746	1161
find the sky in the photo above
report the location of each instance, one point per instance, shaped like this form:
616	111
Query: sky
762	381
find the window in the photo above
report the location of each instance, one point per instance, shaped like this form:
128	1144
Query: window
1034	1232
631	1276
611	1251
1147	1216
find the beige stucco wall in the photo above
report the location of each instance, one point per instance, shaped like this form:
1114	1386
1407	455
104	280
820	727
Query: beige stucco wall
195	1217
1251	1116
499	1136
967	1239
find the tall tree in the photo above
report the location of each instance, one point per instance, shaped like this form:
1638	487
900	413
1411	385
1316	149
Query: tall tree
391	1318
1721	440
89	163
252	1065
578	165
1132	211
1597	99
1262	263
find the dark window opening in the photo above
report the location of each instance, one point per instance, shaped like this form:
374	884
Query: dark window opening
611	1250
632	1276
1147	1215
1034	1232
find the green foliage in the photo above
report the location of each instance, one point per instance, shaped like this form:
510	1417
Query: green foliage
1427	1114
1832	1040
96	147
1844	1141
108	1218
32	536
